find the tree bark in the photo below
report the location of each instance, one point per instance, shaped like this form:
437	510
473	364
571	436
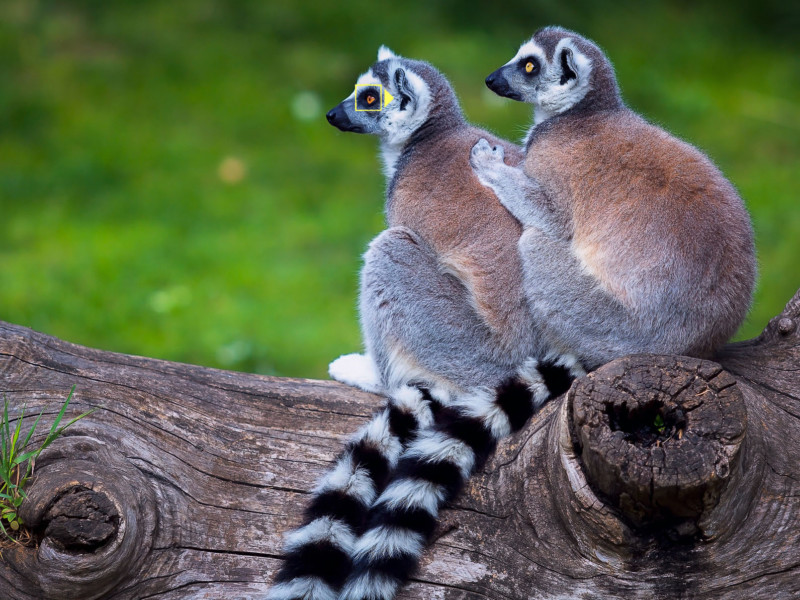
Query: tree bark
653	477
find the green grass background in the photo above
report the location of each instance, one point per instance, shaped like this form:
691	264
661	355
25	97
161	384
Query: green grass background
117	231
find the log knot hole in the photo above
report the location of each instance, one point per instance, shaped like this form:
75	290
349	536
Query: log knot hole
95	514
647	424
81	520
658	437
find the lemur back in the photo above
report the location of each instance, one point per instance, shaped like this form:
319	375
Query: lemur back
474	237
634	241
692	242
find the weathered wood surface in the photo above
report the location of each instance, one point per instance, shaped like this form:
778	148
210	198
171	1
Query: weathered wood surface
182	485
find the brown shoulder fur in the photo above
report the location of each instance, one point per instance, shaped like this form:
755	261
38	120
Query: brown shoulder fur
474	236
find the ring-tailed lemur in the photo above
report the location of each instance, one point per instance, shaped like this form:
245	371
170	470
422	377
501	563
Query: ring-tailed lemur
448	337
634	241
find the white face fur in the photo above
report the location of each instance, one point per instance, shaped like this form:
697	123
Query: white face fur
549	91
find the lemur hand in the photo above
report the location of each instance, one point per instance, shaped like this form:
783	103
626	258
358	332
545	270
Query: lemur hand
487	162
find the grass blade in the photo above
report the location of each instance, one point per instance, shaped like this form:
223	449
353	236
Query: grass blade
17	431
5	435
23	457
33	428
60	415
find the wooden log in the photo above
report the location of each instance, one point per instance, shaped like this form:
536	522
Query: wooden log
183	482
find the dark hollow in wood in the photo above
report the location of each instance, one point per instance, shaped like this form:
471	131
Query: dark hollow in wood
659	437
208	469
81	521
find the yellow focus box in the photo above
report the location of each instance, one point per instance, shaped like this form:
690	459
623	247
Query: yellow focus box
383	99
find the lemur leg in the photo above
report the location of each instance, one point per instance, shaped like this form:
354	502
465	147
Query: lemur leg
429	473
522	196
358	370
418	322
571	307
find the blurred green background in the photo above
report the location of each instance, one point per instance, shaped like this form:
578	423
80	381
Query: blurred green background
169	185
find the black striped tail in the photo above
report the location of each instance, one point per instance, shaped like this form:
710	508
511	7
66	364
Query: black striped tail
433	470
430	473
318	555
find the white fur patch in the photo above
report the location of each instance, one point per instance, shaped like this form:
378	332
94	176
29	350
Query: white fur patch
529	48
379	434
386	541
556	97
353	482
529	373
436	446
482	405
409	399
413	494
568	361
323	529
384	53
358	370
390	154
368	585
308	588
368	78
441	393
398	125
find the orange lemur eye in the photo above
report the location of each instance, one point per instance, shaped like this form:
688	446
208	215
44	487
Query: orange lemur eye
370	99
529	67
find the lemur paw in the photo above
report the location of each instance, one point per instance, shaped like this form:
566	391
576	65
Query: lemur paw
486	161
358	370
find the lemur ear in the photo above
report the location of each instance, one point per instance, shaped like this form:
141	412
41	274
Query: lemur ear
385	53
569	68
404	88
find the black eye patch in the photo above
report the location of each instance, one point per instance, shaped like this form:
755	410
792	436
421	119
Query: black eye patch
369	98
530	66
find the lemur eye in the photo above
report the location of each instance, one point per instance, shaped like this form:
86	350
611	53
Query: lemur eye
368	99
531	66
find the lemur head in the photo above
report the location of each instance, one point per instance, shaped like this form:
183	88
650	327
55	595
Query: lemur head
421	96
557	70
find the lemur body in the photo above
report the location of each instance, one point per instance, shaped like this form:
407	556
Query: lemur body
471	233
445	322
634	241
468	235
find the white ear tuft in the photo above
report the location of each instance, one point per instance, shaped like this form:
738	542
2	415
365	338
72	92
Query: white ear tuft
384	53
578	62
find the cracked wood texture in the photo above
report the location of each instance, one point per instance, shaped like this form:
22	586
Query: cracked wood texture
654	478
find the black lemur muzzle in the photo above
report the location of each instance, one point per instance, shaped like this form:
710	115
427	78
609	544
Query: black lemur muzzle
339	119
498	83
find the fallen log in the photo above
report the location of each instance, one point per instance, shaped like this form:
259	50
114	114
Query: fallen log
654	477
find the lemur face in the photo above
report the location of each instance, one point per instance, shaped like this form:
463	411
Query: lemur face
552	74
367	110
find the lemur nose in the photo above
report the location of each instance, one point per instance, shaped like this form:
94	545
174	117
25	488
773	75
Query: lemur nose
331	115
491	79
